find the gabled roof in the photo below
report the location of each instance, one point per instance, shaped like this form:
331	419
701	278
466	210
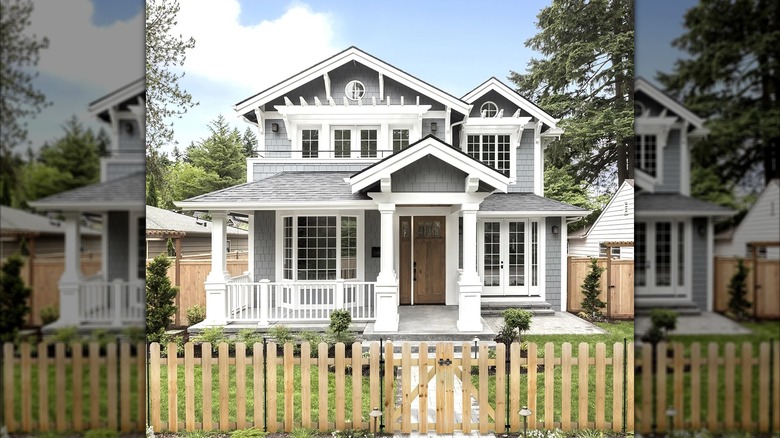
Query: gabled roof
15	221
127	94
493	84
655	93
675	205
429	145
158	219
124	194
529	203
350	54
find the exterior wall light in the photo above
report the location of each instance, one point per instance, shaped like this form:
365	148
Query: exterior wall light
274	127
434	126
555	229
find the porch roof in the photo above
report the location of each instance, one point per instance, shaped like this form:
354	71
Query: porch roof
675	204
123	194
528	203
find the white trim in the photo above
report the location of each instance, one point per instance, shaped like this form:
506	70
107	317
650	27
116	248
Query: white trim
133	89
88	207
709	257
527	292
641	84
104	248
502	89
534	213
428	198
132	245
538	157
235	206
565	263
429	146
685	164
357	55
251	247
120	159
681	213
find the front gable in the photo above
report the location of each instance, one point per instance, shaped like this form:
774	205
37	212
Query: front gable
429	165
508	100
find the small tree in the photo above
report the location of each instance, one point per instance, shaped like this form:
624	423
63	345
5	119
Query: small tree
338	329
516	321
591	289
13	299
160	296
738	303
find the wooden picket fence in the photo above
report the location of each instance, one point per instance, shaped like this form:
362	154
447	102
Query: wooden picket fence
70	391
567	391
717	389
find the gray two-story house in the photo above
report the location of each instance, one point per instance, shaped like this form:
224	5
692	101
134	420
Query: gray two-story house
673	262
373	189
116	296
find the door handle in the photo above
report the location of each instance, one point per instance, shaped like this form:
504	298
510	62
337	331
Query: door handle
502	264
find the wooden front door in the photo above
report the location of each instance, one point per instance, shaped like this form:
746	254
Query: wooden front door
422	255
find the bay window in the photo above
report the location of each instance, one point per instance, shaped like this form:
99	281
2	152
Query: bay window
319	247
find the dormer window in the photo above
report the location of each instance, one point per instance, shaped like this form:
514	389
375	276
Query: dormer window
355	90
493	150
646	153
488	109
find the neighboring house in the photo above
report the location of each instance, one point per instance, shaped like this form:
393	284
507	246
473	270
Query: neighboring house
40	235
761	224
614	224
673	232
116	297
194	234
374	189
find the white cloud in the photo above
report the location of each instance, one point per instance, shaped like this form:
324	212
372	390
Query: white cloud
252	57
107	57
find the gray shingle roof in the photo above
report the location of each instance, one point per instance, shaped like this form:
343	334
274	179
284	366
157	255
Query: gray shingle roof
127	189
645	202
525	202
160	219
288	186
13	220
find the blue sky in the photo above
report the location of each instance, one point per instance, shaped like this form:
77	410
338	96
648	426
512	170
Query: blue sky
245	46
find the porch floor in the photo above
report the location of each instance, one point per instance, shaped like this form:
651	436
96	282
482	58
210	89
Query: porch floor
429	323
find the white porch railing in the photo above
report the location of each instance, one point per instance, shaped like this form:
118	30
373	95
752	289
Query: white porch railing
265	302
112	302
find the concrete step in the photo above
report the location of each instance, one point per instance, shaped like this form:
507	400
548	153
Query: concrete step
686	309
415	346
495	308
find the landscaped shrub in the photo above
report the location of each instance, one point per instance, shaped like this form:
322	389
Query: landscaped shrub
249	337
516	321
661	322
338	329
160	296
166	339
66	335
135	334
738	303
13	299
302	432
49	314
196	314
281	334
591	289
313	339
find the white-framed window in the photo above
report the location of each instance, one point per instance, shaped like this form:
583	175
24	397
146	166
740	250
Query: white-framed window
319	247
646	154
509	256
488	109
368	143
342	143
603	251
310	141
491	149
355	90
400	139
354	141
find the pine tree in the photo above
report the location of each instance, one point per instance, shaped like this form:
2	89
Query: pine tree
738	303
160	296
13	299
591	289
250	143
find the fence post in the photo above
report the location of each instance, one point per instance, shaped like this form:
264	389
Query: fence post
625	377
265	301
117	300
338	299
381	383
265	385
771	385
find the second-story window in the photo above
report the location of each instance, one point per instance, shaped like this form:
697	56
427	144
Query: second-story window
493	150
368	143
342	143
310	139
400	139
645	153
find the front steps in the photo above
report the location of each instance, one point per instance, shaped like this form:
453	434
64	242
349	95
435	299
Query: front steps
495	307
682	308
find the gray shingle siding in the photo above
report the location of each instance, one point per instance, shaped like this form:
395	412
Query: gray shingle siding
699	262
276	143
553	263
265	245
130	142
440	128
121	170
118	242
373	237
501	102
428	174
264	170
525	163
671	169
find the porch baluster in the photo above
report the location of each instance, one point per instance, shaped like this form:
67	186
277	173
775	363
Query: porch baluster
339	294
116	302
264	302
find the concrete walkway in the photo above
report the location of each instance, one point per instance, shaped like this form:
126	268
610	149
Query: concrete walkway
707	323
562	323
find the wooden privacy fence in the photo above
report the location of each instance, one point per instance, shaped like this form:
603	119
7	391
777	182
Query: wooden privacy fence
763	273
732	388
620	300
78	387
330	388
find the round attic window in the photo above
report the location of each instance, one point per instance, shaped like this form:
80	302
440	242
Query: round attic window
355	90
488	109
639	109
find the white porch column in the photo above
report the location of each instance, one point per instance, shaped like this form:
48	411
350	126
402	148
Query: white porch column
217	278
469	283
71	278
387	282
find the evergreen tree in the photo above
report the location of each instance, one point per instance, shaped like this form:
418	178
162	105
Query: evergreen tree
586	78
160	296
13	299
185	181
75	155
738	303
250	143
591	289
221	154
731	78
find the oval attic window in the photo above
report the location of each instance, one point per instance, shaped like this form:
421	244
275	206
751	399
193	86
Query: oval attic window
488	109
355	90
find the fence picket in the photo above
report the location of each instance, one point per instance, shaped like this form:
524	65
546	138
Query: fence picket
374	378
660	385
601	381
730	393
173	388
696	386
501	401
423	397
154	384
257	370
270	387
763	382
679	390
241	383
776	389
322	365
712	386
532	384
617	386
406	388
189	387
549	385
466	379
8	386
747	383
111	380
629	419
59	386
389	401
582	371
305	385
206	368
126	422
340	384
483	389
357	386
514	386
566	386
27	391
289	375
